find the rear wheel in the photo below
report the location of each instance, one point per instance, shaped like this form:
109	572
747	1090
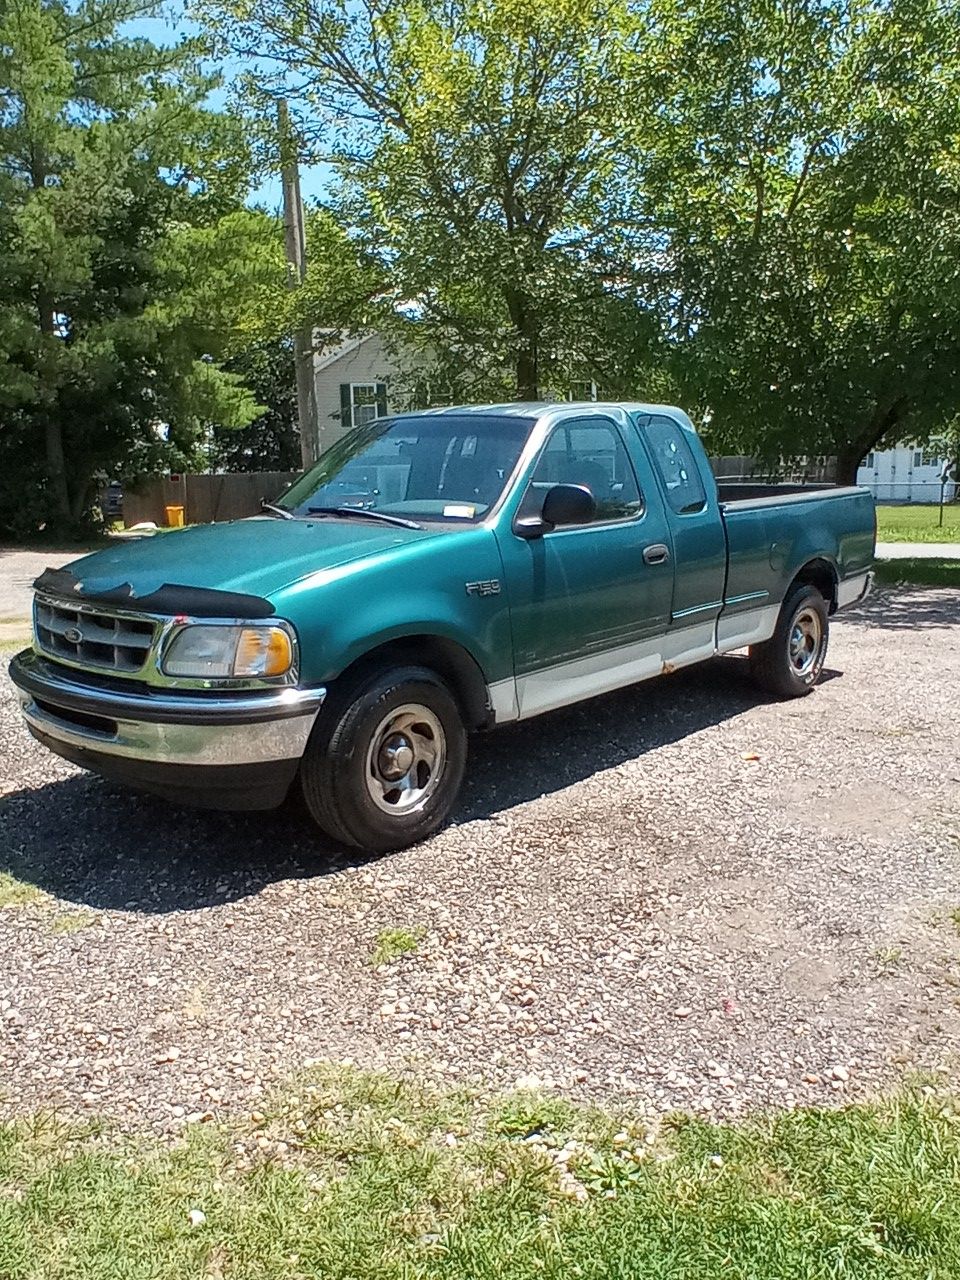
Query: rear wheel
790	662
386	759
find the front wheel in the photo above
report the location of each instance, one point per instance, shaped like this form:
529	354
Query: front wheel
790	662
384	764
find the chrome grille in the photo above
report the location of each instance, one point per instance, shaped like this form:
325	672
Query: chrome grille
93	637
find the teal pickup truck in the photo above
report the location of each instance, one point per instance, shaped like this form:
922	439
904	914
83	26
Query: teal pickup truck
435	573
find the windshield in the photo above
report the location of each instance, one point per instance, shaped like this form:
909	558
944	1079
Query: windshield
448	467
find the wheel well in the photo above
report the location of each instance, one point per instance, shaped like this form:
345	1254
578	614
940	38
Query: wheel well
448	659
822	575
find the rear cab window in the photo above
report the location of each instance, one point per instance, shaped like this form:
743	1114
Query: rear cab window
674	460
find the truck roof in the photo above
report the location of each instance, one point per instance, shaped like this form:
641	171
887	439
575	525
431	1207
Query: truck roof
536	408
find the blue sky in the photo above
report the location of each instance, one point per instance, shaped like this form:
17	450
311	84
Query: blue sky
167	31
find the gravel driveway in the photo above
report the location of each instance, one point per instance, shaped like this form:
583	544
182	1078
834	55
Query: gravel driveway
679	894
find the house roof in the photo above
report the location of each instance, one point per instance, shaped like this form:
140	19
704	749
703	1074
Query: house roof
344	349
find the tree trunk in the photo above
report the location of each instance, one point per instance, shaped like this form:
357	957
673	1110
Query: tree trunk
527	388
527	329
851	452
78	504
848	463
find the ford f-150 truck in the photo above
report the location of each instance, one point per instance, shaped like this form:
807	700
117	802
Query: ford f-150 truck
434	573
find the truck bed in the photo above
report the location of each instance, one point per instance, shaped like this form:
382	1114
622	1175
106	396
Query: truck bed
778	528
748	490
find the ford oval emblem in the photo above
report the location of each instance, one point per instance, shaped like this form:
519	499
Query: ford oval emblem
73	634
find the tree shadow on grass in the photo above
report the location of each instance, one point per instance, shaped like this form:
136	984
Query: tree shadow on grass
907	608
91	842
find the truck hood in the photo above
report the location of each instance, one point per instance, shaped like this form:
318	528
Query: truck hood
258	556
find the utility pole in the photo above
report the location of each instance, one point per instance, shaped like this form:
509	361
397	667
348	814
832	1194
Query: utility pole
296	248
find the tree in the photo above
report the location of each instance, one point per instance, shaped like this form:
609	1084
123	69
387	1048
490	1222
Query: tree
104	148
805	182
475	143
271	442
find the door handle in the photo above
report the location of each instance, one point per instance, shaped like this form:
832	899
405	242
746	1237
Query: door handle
656	553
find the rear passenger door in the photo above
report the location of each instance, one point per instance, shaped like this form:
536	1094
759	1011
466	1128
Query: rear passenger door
586	607
699	542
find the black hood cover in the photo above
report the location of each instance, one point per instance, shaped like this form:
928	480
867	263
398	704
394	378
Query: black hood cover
171	598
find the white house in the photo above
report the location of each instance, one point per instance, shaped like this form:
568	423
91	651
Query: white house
352	385
908	473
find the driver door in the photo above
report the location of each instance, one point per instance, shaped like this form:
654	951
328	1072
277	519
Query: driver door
587	609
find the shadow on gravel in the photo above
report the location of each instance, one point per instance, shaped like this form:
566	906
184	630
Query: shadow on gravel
907	609
88	841
524	761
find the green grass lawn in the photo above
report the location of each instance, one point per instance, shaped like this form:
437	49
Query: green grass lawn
937	572
918	524
356	1177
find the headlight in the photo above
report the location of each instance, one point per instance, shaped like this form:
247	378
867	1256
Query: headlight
221	652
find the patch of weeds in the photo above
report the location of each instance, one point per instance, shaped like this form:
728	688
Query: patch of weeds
528	1112
610	1172
888	957
395	942
955	918
341	1114
17	893
73	921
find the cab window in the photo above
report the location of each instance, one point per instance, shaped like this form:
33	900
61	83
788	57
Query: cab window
588	452
674	459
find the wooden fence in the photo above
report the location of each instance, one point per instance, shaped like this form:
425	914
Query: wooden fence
237	494
204	498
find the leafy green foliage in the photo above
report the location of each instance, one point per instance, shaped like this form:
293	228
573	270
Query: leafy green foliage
752	207
805	177
476	146
108	155
271	442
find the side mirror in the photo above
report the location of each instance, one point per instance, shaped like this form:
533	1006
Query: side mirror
563	504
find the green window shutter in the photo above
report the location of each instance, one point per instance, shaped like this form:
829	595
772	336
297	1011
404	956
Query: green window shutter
346	417
381	399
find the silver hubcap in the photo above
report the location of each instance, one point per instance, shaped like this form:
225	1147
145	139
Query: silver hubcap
805	637
405	759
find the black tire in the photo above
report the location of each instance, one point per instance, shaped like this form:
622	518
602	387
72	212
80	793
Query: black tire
781	664
342	767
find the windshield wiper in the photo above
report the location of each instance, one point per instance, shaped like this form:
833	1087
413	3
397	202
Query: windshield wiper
364	513
277	511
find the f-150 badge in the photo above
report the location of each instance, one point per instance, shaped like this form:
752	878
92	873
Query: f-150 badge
490	587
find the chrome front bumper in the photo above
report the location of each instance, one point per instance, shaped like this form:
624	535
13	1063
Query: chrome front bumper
169	742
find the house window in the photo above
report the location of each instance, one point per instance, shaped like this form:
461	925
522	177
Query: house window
361	402
870	461
584	390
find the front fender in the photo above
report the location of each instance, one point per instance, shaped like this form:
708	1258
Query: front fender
428	589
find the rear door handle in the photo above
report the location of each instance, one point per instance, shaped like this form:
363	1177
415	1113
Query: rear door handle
656	553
